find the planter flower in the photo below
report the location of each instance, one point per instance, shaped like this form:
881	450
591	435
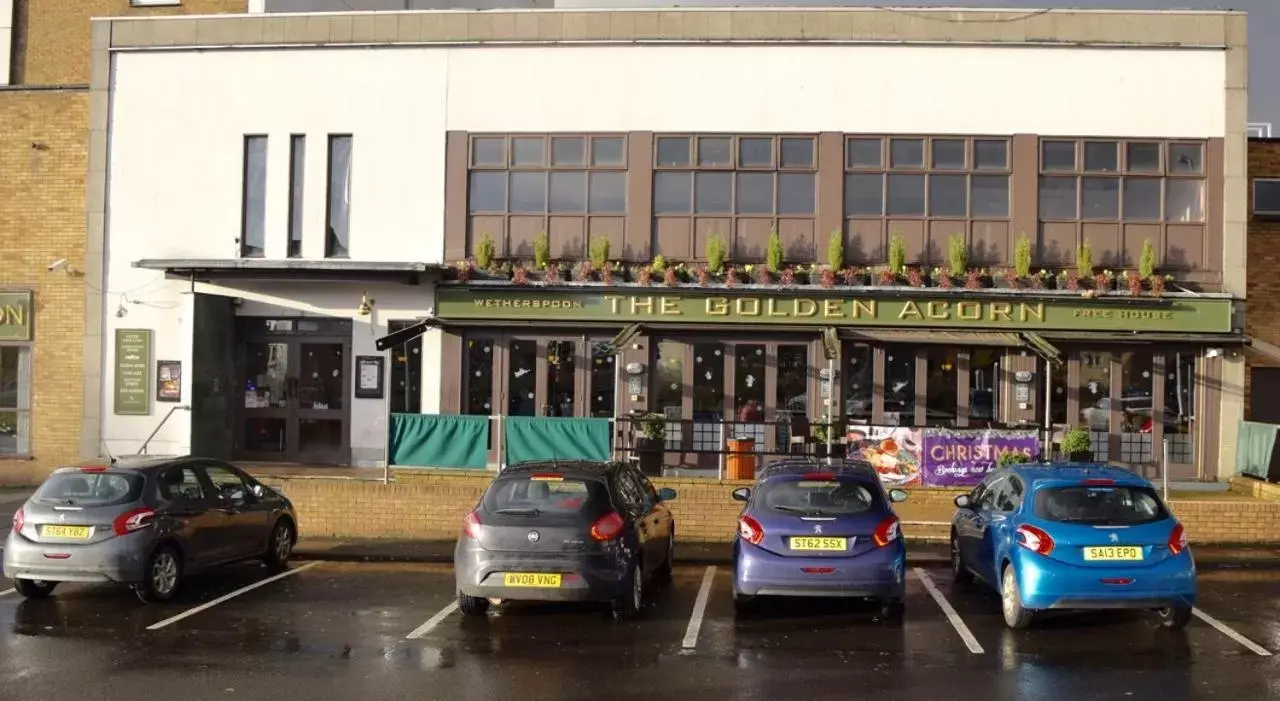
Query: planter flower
973	280
704	276
585	272
827	278
465	268
1102	282
1157	284
606	275
670	277
1071	280
915	278
764	276
788	277
1134	282
943	279
854	276
552	275
519	275
644	276
731	277
886	277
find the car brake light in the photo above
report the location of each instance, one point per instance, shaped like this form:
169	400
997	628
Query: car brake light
546	477
94	468
1034	539
18	520
607	527
1097	482
131	521
818	476
471	525
887	531
750	530
1177	539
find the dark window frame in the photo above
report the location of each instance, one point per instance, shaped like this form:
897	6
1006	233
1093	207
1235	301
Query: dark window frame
246	250
330	250
928	170
1273	212
411	402
1163	173
297	194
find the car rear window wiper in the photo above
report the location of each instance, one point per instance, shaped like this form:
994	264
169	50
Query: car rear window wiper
799	510
518	512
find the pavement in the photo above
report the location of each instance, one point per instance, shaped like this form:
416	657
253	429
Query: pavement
390	630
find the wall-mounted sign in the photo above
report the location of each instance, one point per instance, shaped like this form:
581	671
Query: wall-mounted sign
369	377
15	316
989	311
133	372
168	380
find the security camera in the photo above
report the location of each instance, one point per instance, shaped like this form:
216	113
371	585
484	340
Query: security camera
57	265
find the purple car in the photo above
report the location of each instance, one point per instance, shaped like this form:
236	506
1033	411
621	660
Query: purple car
819	530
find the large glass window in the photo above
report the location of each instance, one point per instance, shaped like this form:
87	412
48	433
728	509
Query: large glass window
406	372
560	366
984	374
522	382
943	402
1179	405
668	393
900	385
603	379
1095	400
15	400
708	395
1138	406
1057	393
859	382
479	377
791	390
942	167
253	225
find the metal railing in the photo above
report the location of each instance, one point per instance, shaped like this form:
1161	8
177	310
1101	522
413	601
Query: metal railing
181	407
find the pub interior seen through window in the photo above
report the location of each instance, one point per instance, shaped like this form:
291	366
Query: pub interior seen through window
406	372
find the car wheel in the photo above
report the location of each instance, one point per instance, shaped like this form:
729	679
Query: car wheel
1015	616
627	606
163	576
959	572
892	610
666	571
1175	617
743	605
34	588
472	606
279	546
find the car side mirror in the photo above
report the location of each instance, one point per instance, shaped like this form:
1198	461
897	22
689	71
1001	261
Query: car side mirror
742	494
259	491
666	494
897	496
964	502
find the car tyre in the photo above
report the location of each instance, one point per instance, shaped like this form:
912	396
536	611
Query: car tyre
627	606
1015	616
892	610
472	606
34	588
959	573
163	576
665	572
279	546
1174	617
743	605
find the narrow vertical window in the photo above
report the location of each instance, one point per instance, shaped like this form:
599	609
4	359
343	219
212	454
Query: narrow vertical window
254	198
338	223
297	174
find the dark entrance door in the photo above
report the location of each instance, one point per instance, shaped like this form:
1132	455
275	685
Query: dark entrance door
295	379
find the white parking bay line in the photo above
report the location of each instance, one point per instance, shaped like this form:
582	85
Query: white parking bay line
956	622
433	621
1227	631
699	610
221	599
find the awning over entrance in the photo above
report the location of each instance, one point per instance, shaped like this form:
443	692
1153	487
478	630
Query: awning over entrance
959	338
1042	348
224	269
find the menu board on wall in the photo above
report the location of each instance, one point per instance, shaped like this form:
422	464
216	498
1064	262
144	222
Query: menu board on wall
133	371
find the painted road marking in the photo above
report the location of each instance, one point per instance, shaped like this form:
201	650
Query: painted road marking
7	592
956	622
1227	631
433	621
221	599
699	610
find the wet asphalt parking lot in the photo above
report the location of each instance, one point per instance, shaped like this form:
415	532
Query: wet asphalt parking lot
328	630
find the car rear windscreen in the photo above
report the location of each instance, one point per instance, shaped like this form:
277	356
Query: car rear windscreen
816	497
531	495
1098	505
90	489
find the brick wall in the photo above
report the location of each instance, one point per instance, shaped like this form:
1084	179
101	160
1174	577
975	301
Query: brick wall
1262	305
429	505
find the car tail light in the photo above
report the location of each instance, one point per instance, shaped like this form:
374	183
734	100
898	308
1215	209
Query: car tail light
471	525
19	519
1034	539
1097	482
131	521
1177	539
887	531
750	530
607	527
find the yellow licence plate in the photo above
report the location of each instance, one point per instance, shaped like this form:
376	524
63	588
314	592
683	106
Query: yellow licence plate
78	532
1113	553
812	543
530	579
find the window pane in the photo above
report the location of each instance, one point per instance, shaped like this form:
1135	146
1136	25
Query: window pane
488	191
713	192
1101	156
1095	399
755	193
1184	200
568	151
1142	199
755	153
708	382
609	192
529	192
748	383
672	193
1057	198
790	398
406	372
943	400
606	151
1138	406
297	184
1266	196
797	153
859	382
906	194
487	151
1059	155
568	191
253	230
990	154
339	221
984	371
1186	159
864	194
479	376
715	151
900	385
526	151
864	153
990	195
1179	405
948	154
602	380
906	153
1142	157
522	381
947	195
673	151
1101	198
1057	392
795	193
560	363
669	383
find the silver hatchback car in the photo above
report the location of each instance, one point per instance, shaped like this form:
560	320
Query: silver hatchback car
146	524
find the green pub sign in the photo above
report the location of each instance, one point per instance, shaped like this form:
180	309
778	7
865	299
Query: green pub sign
15	316
133	372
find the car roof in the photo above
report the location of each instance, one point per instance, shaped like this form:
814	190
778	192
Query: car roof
800	466
585	468
141	463
1059	472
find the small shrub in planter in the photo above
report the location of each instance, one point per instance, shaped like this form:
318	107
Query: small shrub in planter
1072	281
519	275
541	251
775	253
659	264
599	250
717	253
1084	260
853	276
1022	257
915	278
606	275
957	255
585	272
897	254
943	279
887	277
670	277
827	278
1157	285
788	277
651	442
1134	281
1147	261
1012	458
704	276
464	268
764	276
1077	446
1102	281
644	276
731	277
485	251
973	280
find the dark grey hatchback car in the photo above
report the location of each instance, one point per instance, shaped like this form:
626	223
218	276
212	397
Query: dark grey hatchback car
146	524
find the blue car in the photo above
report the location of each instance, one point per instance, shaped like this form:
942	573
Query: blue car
1073	536
819	530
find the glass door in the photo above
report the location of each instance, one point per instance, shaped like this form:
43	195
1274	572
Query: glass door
320	401
295	400
266	406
